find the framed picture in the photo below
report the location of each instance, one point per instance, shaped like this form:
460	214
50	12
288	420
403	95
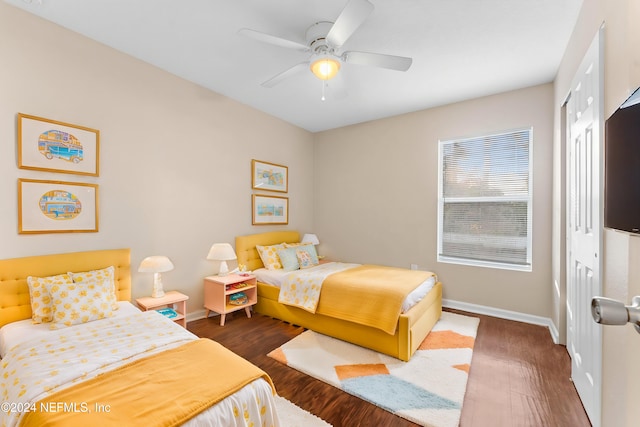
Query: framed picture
56	207
269	176
269	209
49	145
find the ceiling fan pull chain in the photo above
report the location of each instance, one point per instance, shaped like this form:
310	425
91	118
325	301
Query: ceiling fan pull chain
324	84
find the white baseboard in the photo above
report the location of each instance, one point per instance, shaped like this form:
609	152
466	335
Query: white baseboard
464	306
197	315
555	334
504	314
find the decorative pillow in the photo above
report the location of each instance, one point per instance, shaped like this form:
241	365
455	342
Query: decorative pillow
288	259
75	303
295	245
307	256
269	256
41	310
104	273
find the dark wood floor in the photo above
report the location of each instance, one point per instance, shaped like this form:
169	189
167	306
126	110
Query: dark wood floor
518	377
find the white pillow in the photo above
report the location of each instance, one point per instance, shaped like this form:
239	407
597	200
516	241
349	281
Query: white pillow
77	303
41	310
104	273
269	256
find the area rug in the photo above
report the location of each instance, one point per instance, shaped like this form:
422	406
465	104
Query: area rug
291	415
427	390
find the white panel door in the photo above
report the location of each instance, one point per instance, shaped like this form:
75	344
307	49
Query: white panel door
584	339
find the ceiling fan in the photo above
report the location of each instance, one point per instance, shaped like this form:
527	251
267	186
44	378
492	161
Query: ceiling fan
324	40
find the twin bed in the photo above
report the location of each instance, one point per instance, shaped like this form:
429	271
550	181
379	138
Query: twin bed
400	339
124	366
98	360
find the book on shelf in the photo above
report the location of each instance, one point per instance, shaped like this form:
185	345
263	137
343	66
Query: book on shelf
168	312
237	286
239	298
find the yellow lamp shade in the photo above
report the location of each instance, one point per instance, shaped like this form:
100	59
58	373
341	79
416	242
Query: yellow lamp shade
325	68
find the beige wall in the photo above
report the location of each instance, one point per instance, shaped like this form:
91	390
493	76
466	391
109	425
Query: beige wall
369	191
376	191
175	158
621	345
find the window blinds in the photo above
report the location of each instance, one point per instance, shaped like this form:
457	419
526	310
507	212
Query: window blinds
485	200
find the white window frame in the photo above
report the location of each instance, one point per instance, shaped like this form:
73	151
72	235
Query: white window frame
528	198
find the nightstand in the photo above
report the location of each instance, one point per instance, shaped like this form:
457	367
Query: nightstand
219	294
173	299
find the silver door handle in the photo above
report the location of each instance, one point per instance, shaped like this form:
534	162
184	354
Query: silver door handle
607	311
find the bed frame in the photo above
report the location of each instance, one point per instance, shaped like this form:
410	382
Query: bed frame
413	326
14	292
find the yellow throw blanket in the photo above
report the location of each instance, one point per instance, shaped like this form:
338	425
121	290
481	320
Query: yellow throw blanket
370	295
169	388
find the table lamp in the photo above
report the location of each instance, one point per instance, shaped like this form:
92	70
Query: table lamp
156	264
310	238
222	252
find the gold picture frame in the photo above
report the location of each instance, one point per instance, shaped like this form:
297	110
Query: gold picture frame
53	146
269	176
269	210
57	207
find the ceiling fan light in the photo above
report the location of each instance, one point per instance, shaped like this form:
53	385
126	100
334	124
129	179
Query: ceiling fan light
325	68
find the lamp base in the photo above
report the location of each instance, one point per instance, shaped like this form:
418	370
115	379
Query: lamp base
224	269
158	292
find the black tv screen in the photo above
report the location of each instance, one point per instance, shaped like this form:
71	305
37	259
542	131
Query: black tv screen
622	167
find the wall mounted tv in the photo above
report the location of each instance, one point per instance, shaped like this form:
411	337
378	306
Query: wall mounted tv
622	167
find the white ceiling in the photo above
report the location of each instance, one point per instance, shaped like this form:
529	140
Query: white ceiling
461	49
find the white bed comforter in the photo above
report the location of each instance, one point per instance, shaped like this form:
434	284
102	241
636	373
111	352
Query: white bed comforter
37	367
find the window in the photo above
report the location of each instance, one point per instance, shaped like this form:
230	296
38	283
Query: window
484	201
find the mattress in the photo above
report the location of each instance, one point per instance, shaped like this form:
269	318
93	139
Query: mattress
104	345
276	278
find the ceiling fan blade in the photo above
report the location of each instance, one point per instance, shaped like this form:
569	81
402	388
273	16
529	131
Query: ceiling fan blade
285	74
274	40
351	17
392	62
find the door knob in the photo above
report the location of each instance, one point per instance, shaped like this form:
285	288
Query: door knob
607	311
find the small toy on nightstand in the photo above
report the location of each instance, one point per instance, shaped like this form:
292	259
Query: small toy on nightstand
242	270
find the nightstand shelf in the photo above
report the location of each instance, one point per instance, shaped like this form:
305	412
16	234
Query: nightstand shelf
172	299
218	292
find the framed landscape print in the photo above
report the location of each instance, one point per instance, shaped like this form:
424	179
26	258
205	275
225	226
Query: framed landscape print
269	210
269	176
56	207
53	146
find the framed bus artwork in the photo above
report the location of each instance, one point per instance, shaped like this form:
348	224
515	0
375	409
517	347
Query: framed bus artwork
49	145
57	207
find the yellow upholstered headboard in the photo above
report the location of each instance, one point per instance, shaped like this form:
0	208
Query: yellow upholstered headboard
14	291
246	246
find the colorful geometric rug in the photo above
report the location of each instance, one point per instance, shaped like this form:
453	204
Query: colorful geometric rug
428	389
291	415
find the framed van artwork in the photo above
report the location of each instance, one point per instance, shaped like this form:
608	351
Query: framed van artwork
269	176
53	146
268	210
56	207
